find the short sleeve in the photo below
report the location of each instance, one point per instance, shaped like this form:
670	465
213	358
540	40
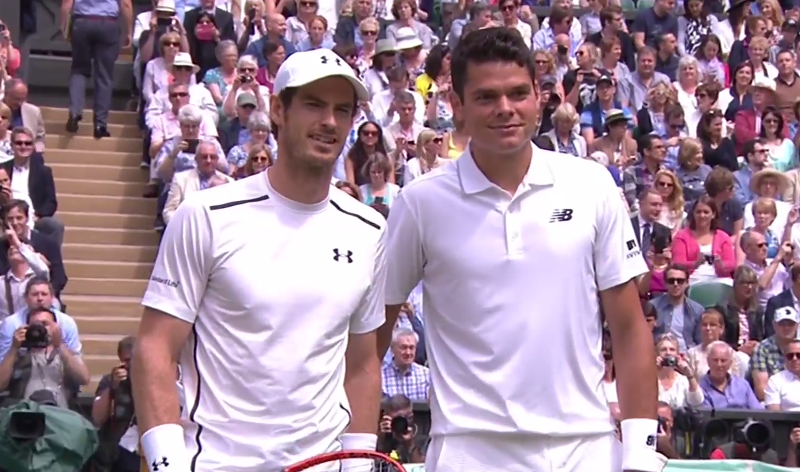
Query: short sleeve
371	312
103	385
772	393
404	250
183	264
758	361
586	120
617	255
640	23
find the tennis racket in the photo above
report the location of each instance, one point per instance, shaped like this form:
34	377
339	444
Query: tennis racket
380	462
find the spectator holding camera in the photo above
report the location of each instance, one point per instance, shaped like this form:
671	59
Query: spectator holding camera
677	384
119	435
397	433
773	275
39	359
158	71
178	154
402	376
245	82
25	264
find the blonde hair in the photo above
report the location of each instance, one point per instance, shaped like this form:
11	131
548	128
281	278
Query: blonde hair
689	148
551	63
668	337
424	137
669	92
565	112
168	37
759	42
5	111
250	4
764	204
367	22
777	13
675	201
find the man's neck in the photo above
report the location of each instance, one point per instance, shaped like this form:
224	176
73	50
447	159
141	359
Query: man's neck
358	18
298	182
20	161
507	172
407	126
646	77
719	201
403	369
756	263
788	78
564	136
606	105
663	55
720	384
651	165
755	167
512	21
20	269
676	301
276	38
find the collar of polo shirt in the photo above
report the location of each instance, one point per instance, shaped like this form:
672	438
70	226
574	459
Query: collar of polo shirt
474	181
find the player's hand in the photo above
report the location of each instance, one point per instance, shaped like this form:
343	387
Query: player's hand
118	375
385	426
19	337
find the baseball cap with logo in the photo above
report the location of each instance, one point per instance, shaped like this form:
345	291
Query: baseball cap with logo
790	23
303	68
786	313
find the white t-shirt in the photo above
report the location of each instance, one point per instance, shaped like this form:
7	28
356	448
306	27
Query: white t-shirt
273	288
783	389
510	285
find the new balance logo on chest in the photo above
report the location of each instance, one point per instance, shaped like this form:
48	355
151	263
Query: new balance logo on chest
561	215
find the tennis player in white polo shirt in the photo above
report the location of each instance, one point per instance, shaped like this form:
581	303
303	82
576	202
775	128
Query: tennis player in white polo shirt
264	290
513	245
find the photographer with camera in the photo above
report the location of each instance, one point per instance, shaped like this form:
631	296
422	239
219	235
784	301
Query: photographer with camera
113	415
751	441
245	82
397	433
39	360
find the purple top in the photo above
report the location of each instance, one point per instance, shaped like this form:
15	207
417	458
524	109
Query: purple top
737	394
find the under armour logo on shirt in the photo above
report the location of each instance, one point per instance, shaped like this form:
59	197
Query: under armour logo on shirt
324	60
156	466
561	215
347	256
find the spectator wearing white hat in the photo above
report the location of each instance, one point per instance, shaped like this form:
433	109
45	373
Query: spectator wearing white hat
183	70
783	388
412	51
768	358
405	13
748	121
158	71
147	30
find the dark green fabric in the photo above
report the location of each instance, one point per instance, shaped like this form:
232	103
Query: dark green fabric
68	442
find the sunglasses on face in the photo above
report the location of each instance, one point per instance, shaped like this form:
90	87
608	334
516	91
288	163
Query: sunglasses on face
771	121
541	62
677	126
508	7
178	95
172	43
182	68
369	33
437	140
308	4
793	356
666	184
368	133
260	159
675	281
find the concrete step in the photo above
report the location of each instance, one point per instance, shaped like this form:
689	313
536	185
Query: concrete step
97	172
92	156
100	344
121	205
124	237
102	188
86	143
100	364
88	306
106	287
116	131
114	117
109	252
117	327
105	220
108	270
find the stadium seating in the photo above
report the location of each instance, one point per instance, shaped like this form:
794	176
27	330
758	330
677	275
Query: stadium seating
709	294
109	244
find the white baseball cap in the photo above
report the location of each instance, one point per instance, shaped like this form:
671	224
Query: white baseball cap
786	313
302	68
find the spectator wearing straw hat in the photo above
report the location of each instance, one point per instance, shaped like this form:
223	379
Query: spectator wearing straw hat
769	183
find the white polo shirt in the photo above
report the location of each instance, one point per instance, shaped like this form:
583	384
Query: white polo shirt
273	288
783	389
510	287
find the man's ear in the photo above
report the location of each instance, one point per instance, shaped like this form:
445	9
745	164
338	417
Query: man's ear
276	111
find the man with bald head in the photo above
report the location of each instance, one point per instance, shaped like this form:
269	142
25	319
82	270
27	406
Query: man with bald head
24	114
276	33
720	388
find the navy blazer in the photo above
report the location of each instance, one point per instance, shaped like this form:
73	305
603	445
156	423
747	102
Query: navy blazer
48	247
41	186
780	300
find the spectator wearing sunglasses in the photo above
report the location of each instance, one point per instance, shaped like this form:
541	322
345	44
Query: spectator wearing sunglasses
781	150
783	388
768	358
349	29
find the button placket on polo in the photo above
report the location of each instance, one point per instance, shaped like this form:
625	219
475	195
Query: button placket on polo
512	222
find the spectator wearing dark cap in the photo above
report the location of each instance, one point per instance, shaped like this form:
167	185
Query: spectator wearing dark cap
593	117
788	36
548	90
616	141
667	59
732	28
654	22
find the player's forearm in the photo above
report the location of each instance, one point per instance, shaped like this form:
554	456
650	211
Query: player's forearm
363	388
385	332
635	364
153	383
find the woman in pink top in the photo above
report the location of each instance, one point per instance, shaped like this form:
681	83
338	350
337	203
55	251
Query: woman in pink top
706	251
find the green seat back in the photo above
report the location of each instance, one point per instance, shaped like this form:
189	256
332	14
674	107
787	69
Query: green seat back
709	294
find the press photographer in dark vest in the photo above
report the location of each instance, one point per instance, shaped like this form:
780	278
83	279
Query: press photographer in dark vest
39	360
113	414
398	436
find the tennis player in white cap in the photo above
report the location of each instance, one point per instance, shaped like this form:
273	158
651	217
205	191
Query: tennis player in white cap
263	291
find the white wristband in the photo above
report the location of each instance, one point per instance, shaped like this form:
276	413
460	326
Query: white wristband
639	436
358	441
164	449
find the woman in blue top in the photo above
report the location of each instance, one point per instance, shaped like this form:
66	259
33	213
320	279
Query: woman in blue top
378	169
764	213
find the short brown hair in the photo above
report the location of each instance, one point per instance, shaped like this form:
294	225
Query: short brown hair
398	3
719	180
607	45
380	160
608	13
558	14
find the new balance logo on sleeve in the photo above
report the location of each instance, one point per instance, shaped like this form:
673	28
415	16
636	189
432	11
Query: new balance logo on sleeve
561	215
346	256
163	464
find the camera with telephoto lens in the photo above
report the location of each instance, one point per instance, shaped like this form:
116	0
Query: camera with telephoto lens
36	337
123	396
669	361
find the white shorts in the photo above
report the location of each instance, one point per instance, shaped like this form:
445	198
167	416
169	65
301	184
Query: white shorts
529	453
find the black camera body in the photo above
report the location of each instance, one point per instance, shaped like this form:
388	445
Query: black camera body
36	337
669	361
123	397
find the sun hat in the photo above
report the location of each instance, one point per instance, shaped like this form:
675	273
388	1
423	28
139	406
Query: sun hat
303	68
385	45
755	180
183	59
615	116
764	82
167	6
407	39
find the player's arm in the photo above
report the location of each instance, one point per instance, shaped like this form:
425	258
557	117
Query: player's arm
406	259
362	379
171	303
618	261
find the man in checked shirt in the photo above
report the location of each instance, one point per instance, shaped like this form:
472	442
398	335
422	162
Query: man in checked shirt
402	375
